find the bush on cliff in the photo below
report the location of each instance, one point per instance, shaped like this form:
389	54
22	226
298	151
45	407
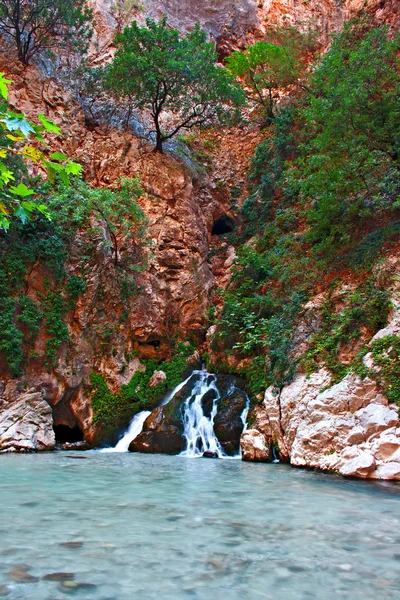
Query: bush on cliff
269	66
156	69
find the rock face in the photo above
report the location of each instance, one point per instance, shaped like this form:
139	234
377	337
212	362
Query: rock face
349	428
228	425
26	424
254	446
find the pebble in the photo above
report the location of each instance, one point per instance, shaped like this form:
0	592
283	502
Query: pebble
72	544
69	584
73	586
19	573
345	567
58	576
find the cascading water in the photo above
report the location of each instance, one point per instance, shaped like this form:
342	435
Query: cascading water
135	427
198	428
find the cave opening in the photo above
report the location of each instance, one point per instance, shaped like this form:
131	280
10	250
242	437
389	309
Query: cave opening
222	225
65	434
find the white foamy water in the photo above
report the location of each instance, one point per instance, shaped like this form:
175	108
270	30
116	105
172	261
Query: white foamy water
135	427
198	428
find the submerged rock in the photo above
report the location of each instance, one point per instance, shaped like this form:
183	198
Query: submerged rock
26	424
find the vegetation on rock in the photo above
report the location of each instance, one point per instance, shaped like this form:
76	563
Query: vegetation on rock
324	205
47	242
116	409
269	67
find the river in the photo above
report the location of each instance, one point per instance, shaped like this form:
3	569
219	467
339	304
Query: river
134	526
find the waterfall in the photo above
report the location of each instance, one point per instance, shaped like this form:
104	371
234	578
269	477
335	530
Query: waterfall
198	428
135	427
243	416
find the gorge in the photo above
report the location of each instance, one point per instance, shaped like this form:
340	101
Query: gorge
199	259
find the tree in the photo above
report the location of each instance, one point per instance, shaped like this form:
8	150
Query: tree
268	66
16	198
175	78
37	24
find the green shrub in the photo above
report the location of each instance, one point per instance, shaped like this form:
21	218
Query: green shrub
112	410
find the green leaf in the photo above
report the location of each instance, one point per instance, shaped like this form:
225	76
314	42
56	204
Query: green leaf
48	125
73	168
58	156
4	86
21	190
21	213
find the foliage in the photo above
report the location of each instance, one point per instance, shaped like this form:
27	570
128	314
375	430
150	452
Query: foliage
116	210
348	162
156	69
110	409
16	133
46	242
45	24
386	360
365	308
324	186
267	67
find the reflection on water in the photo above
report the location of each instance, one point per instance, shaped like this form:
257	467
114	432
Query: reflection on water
143	527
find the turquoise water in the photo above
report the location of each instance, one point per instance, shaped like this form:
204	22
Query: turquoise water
129	526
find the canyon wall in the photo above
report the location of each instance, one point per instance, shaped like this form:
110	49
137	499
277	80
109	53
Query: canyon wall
349	427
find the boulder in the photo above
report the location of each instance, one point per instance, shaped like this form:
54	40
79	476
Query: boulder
254	446
26	424
162	431
157	378
228	425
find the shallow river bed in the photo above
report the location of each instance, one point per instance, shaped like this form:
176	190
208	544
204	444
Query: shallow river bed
144	527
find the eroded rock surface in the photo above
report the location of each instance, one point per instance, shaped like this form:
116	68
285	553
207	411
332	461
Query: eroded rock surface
349	428
26	424
254	446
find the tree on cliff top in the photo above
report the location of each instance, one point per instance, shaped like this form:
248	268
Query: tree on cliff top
154	68
271	65
37	24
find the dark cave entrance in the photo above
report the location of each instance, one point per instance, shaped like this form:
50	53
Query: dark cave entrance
223	225
66	434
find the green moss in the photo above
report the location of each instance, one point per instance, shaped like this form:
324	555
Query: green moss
110	409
